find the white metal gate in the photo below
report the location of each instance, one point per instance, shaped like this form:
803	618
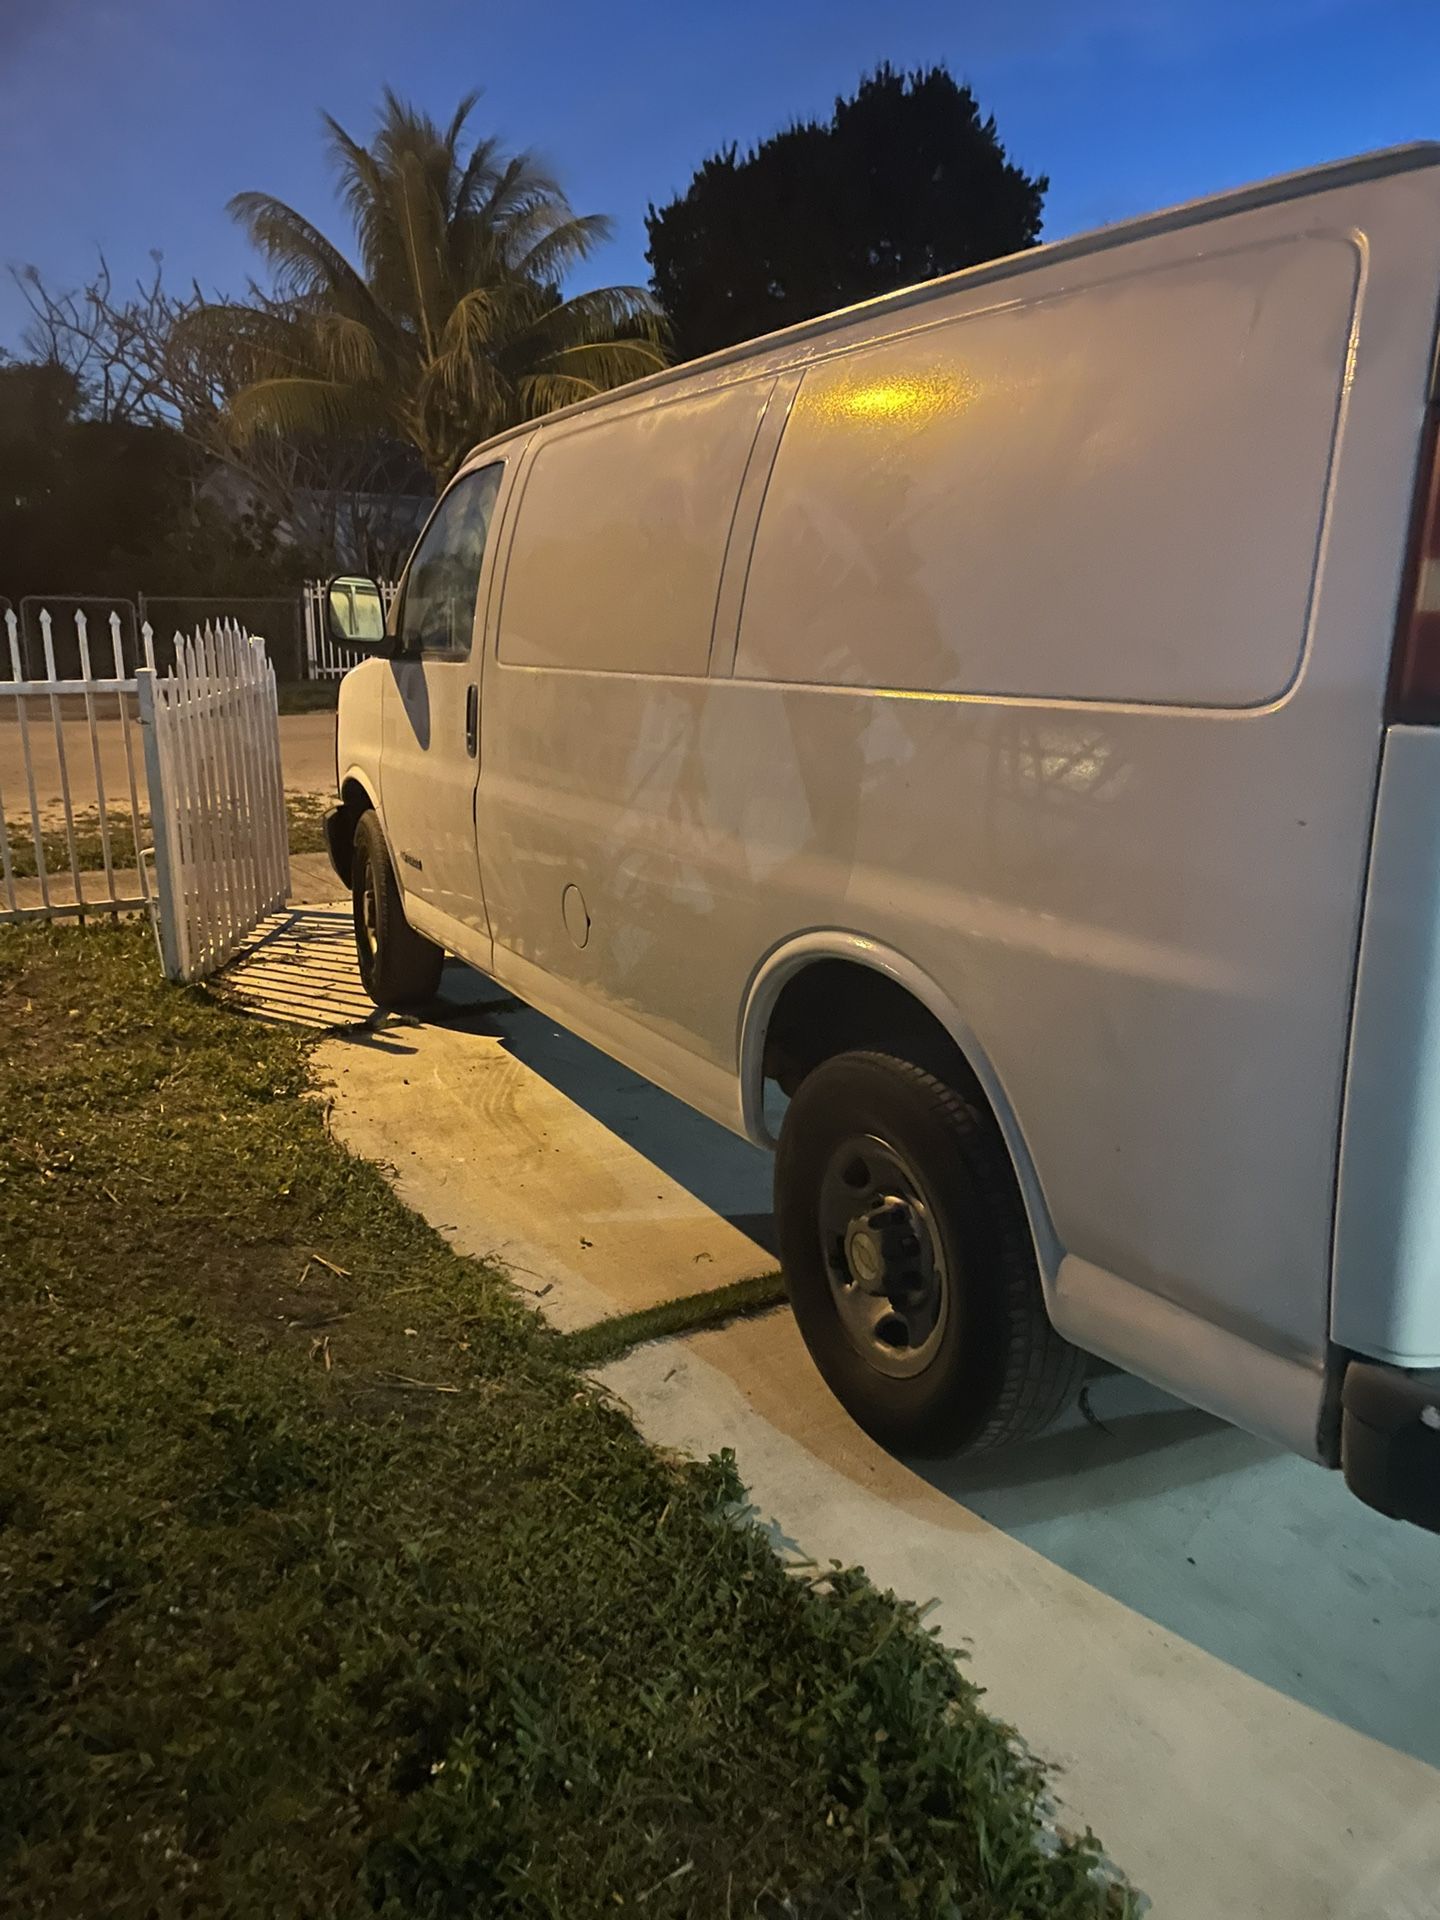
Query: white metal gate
200	842
212	756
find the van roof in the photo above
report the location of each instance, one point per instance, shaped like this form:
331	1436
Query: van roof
1287	186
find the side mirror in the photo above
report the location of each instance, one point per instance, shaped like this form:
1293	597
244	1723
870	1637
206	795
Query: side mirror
355	613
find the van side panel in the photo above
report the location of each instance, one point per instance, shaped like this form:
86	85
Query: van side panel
1387	1228
1058	497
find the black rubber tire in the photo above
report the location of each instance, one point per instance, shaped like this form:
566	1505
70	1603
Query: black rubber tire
1000	1372
400	968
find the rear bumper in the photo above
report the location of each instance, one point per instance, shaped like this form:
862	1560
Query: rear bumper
340	842
1390	1440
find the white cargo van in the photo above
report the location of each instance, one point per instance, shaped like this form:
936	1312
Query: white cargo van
1005	716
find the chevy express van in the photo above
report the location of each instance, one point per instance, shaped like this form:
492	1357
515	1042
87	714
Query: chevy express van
1006	715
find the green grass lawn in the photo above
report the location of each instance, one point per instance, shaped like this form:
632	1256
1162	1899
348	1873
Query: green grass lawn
328	1587
305	811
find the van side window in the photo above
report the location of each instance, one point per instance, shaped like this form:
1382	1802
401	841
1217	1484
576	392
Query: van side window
621	536
437	609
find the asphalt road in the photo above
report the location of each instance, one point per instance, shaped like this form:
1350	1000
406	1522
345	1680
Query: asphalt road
307	754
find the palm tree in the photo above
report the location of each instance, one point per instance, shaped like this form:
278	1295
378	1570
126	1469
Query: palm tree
452	327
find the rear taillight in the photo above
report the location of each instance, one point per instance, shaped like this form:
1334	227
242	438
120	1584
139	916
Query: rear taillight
1415	679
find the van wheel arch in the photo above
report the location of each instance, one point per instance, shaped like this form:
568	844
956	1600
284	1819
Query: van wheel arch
810	1006
832	1006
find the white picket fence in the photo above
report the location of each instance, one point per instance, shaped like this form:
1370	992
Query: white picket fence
210	858
53	885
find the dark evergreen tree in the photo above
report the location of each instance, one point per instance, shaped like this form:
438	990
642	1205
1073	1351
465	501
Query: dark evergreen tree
904	181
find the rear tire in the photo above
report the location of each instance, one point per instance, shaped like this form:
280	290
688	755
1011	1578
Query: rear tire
909	1261
399	967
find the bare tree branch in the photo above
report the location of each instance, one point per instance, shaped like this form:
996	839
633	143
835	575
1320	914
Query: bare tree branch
133	361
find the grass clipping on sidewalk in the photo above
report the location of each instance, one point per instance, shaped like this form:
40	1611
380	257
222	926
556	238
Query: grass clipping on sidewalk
328	1587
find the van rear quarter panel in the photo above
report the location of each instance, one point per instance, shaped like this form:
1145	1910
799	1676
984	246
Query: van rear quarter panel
1141	886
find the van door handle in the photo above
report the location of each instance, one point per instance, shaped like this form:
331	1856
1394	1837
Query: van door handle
472	720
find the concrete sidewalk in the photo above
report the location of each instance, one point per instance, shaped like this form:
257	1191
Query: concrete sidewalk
1232	1663
312	880
1216	1794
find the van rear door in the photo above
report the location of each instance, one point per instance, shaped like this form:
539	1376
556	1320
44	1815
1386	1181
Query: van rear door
1386	1299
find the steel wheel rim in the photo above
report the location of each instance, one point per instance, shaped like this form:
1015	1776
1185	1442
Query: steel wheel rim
369	915
888	1274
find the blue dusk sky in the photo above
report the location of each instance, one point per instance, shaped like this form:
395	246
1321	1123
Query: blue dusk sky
127	124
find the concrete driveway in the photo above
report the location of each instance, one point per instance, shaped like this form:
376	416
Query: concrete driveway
1234	1665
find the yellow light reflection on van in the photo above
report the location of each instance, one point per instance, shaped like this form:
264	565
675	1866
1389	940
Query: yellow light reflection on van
886	396
909	397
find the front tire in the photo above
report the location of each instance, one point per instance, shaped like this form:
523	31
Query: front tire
399	967
909	1262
